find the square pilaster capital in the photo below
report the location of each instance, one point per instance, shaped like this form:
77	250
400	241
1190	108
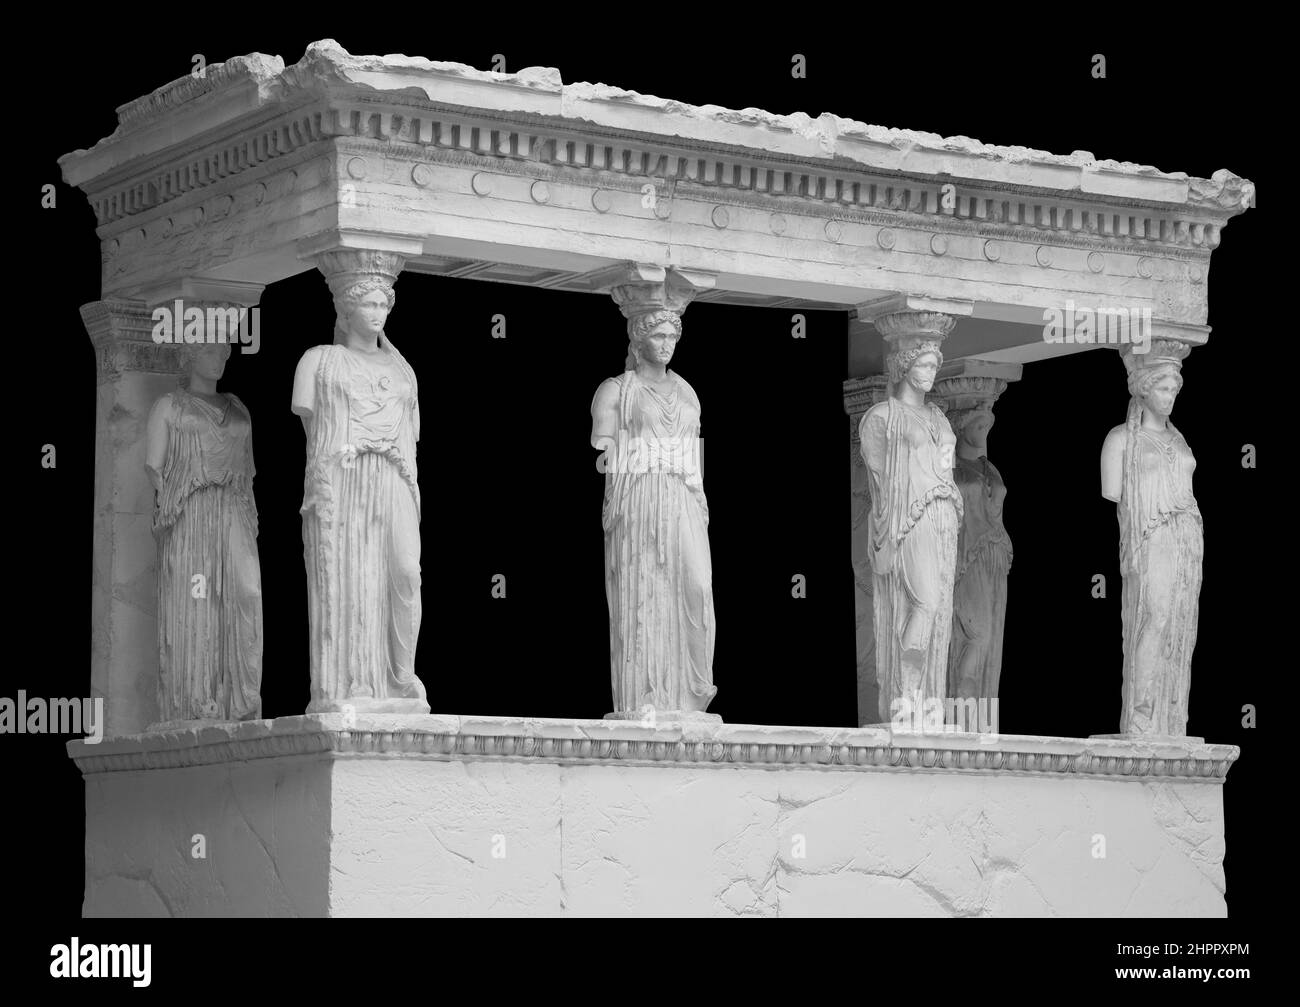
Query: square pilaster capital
122	333
860	394
203	290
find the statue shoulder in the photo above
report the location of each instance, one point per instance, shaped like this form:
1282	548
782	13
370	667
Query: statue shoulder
1116	439
879	413
165	405
239	404
607	394
939	416
687	386
875	421
313	356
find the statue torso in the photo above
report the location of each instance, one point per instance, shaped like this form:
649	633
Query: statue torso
378	392
221	433
1164	467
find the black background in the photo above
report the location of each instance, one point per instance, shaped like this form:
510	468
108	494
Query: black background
508	479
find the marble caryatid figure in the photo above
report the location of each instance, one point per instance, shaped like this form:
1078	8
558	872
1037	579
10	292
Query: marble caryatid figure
199	456
979	606
1146	468
361	501
658	572
915	518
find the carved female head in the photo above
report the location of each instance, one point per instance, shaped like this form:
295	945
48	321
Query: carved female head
1156	388
917	361
203	360
362	309
652	337
972	425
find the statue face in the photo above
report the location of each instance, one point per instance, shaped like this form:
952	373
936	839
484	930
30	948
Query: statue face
924	369
658	345
209	360
976	429
1160	398
370	314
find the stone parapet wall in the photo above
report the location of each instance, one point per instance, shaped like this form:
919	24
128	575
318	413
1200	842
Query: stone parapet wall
339	815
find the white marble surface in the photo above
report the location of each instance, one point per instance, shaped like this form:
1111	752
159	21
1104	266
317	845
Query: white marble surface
360	815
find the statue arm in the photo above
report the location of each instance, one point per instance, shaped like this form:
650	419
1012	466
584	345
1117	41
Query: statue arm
873	432
156	440
1112	463
874	439
304	386
604	414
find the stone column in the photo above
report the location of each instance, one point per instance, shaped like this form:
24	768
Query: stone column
912	669
133	372
361	508
1146	469
658	568
860	394
969	388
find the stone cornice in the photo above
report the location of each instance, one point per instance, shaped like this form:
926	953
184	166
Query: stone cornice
217	77
583	127
624	742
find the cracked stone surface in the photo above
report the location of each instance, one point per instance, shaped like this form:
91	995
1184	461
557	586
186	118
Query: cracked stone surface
411	836
266	828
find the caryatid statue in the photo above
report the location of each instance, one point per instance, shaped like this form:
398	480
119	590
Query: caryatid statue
1146	468
983	547
199	456
361	501
658	571
915	519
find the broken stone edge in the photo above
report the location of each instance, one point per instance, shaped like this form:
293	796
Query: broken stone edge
326	66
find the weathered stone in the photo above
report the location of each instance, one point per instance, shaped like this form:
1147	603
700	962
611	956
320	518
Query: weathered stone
436	816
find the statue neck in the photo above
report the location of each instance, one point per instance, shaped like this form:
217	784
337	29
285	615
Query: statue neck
910	395
652	373
1155	423
364	343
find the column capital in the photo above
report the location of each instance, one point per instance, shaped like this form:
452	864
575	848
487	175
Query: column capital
870	311
971	383
1161	355
907	321
639	288
346	267
121	332
352	240
1163	331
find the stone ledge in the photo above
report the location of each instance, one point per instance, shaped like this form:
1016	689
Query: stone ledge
447	737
